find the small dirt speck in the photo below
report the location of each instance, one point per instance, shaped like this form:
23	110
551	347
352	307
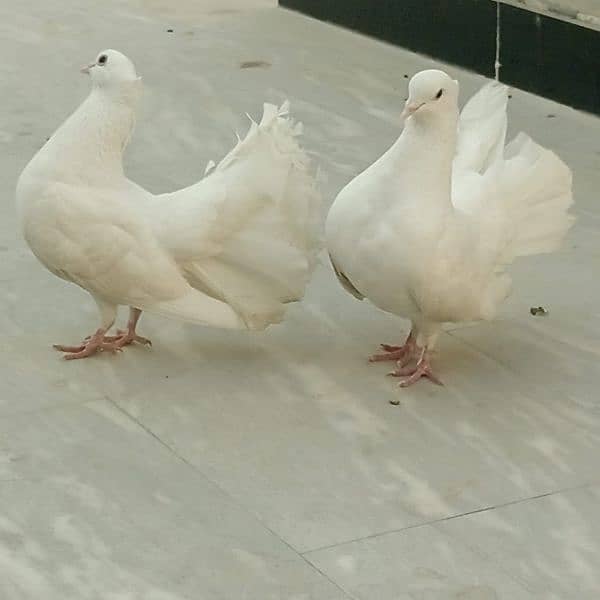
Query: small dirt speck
395	402
169	31
551	116
538	311
255	64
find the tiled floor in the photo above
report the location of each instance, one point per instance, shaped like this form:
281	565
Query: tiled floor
255	467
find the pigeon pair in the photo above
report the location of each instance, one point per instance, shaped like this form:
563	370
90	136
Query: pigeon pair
426	232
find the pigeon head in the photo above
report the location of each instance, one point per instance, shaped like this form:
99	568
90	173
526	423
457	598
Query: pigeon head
111	69
431	91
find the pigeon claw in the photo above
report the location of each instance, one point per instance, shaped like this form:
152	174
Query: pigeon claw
90	346
414	373
398	353
89	349
389	348
390	353
62	348
402	371
125	338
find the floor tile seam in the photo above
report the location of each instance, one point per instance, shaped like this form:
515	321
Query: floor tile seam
454	517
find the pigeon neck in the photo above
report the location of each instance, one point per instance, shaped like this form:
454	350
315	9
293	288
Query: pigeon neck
107	124
424	153
89	146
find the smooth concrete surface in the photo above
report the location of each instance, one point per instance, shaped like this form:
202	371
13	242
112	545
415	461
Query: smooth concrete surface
222	465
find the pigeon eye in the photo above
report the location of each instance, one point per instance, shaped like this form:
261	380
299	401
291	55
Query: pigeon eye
439	94
102	60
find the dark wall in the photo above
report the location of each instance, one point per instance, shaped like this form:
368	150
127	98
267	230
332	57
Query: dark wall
550	57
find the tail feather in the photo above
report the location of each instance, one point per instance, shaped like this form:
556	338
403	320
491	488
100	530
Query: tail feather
250	232
482	129
515	200
197	307
537	190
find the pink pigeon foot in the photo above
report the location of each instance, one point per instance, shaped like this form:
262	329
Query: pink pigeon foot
90	346
414	373
402	370
128	336
125	338
122	339
397	353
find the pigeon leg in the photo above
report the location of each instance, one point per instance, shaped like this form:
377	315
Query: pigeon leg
413	374
129	336
397	353
125	337
97	342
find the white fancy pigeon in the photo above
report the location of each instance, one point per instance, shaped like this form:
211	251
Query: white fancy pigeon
229	251
427	231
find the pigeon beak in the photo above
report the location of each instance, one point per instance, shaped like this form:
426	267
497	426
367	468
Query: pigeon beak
86	70
409	109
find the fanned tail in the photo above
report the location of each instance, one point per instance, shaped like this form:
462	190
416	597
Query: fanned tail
272	145
537	189
515	199
521	194
526	212
252	227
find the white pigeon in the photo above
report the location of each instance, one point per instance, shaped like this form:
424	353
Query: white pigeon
230	251
427	231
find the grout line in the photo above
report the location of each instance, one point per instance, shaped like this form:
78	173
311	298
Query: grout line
149	432
453	517
323	574
233	500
